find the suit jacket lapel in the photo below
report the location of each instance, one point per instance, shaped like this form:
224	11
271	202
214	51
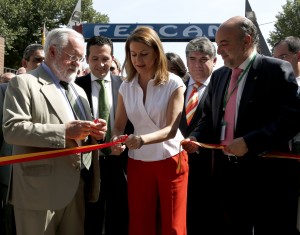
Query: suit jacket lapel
51	92
115	85
222	82
250	85
87	87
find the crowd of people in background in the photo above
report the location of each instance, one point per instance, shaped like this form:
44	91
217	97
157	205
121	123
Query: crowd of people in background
196	138
33	56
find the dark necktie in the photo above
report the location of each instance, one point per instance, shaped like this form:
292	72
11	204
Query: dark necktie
72	100
230	109
192	103
86	157
104	112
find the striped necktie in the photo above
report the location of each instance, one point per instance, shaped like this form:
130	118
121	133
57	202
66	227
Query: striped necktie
192	103
86	157
72	101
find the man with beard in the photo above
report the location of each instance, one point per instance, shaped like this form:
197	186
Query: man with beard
39	115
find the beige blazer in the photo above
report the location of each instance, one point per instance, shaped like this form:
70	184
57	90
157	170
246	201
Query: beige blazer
33	121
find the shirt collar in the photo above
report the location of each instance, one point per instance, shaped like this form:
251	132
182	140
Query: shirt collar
243	66
50	73
107	78
192	81
134	81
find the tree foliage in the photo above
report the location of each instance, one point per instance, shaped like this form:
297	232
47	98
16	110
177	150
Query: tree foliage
21	22
288	22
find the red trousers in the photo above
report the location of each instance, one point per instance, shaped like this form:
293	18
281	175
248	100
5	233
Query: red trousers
157	183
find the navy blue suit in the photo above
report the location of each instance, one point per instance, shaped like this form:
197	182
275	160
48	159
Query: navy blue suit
256	192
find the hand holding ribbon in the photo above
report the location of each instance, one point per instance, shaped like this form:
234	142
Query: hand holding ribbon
57	153
191	146
117	149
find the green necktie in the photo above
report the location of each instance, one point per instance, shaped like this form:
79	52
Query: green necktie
86	157
104	112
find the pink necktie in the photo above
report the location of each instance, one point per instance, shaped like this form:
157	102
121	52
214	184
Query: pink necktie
230	109
192	103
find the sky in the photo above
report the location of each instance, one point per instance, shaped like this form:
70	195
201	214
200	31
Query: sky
185	11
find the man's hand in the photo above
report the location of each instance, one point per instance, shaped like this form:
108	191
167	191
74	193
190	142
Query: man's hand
99	128
189	146
79	129
238	147
117	149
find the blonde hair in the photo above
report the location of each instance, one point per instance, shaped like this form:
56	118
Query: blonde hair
150	38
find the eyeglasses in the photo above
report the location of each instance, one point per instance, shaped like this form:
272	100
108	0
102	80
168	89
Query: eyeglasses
112	69
74	58
38	59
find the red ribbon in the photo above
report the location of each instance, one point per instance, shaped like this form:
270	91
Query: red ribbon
56	153
272	154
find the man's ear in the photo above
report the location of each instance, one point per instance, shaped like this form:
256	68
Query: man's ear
52	51
248	40
24	63
215	61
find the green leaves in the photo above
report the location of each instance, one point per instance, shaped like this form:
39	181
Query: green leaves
288	22
21	22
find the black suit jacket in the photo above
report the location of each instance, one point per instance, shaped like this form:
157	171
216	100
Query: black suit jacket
269	109
254	190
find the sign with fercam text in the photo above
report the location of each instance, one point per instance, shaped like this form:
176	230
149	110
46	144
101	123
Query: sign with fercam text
166	32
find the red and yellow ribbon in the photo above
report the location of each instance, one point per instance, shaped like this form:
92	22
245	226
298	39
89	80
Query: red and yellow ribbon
55	153
272	154
68	151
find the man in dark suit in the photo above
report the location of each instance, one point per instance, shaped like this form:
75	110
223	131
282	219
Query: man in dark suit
201	59
256	195
110	213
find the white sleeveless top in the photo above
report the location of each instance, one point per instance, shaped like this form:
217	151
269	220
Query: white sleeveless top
151	116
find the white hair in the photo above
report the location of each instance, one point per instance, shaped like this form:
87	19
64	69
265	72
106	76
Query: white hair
60	38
